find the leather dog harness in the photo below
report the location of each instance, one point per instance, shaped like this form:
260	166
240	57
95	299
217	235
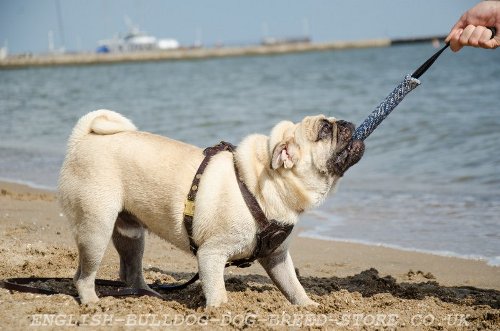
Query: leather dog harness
270	234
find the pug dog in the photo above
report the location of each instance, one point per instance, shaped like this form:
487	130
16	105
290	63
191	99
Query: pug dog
117	182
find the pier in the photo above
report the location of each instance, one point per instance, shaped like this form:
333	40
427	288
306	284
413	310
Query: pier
66	59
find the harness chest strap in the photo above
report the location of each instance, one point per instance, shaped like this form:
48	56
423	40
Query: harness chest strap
270	235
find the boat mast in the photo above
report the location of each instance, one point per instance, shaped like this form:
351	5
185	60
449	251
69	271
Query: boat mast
60	23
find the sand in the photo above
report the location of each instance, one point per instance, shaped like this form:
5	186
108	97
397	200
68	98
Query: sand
356	286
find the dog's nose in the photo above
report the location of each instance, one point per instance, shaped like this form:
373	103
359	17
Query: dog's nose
344	124
344	130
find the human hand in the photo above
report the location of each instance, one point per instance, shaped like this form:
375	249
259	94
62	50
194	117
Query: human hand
471	29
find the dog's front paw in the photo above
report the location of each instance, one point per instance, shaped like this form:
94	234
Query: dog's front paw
89	298
308	302
312	304
217	301
215	304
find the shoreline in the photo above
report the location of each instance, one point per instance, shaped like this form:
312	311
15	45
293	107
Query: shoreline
356	286
27	187
490	261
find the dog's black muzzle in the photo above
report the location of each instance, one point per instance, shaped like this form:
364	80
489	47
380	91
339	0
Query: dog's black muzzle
348	151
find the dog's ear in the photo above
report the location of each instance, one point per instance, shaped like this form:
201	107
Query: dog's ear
285	154
282	146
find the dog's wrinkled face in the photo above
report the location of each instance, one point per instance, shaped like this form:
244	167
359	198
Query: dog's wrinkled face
317	144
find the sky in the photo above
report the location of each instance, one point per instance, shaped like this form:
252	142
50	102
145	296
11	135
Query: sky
25	24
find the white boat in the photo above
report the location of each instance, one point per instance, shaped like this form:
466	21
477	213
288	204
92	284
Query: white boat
135	41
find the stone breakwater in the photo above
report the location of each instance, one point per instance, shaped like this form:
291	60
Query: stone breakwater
20	61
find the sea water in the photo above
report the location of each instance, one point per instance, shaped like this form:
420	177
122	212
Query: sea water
430	177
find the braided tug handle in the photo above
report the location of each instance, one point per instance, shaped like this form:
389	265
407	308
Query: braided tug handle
385	108
409	83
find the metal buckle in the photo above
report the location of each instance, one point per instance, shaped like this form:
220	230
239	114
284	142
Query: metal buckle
189	208
244	265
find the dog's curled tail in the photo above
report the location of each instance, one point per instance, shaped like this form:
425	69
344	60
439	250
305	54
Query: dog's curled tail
102	122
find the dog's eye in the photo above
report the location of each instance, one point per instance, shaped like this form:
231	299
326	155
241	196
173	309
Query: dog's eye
325	131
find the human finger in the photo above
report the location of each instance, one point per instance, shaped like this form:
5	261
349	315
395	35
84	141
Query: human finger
455	40
490	38
450	35
477	34
465	36
491	43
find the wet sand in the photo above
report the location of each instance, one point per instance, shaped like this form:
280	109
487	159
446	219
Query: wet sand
356	286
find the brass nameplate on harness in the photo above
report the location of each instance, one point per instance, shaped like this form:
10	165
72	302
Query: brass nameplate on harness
189	208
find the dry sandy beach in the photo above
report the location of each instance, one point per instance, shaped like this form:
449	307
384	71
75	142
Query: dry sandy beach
357	286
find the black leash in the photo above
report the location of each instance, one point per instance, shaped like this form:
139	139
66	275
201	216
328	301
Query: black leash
114	288
118	288
423	68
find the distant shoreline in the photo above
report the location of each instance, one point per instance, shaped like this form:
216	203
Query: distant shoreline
44	60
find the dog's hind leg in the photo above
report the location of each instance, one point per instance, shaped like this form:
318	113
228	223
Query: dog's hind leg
93	232
129	238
